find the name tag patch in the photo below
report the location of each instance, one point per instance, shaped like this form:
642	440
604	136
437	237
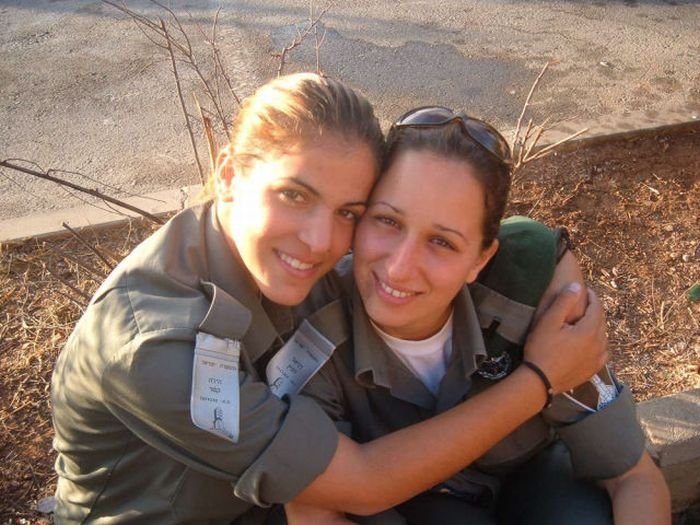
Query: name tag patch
215	398
298	360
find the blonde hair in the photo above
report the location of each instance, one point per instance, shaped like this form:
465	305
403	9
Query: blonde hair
299	109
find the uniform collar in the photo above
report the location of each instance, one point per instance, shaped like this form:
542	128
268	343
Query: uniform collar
376	364
259	326
468	350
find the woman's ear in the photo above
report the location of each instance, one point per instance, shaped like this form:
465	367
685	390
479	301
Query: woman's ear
482	260
224	176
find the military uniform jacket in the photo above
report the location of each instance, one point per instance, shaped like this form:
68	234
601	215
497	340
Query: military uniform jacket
128	450
369	392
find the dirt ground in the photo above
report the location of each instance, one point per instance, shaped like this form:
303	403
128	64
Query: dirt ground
630	205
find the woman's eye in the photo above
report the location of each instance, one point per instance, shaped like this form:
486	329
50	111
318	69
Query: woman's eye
293	196
349	215
388	221
443	243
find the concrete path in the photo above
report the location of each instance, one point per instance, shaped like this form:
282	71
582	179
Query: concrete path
82	89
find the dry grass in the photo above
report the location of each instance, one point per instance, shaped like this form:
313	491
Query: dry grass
632	207
38	313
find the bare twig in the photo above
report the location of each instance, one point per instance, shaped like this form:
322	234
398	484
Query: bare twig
182	101
524	144
213	94
525	151
89	191
519	150
67	284
88	246
90	269
545	151
213	148
527	103
313	22
227	79
317	42
170	35
219	70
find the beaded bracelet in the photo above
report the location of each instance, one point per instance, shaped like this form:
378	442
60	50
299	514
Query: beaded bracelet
547	385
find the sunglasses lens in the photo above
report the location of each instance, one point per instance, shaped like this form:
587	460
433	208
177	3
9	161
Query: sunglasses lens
433	116
426	116
488	137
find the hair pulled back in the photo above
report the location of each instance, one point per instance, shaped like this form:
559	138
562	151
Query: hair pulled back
452	142
300	109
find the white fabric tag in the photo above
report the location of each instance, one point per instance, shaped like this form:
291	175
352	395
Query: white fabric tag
298	360
215	403
606	393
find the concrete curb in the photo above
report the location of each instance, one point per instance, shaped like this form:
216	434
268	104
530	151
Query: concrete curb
628	125
672	423
45	225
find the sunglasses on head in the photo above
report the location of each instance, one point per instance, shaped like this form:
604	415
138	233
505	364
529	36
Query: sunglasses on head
479	131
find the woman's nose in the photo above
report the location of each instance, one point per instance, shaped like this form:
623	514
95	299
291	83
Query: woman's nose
317	232
402	260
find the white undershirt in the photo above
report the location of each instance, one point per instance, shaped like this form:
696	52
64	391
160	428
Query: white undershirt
427	358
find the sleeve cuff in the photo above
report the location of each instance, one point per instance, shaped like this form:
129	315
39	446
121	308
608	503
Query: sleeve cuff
607	443
301	450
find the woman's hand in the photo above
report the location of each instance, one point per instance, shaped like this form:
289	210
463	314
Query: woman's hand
569	353
300	514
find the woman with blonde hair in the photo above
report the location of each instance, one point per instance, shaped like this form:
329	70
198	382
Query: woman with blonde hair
160	407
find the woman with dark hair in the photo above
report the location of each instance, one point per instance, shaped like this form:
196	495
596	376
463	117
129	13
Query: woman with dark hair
426	336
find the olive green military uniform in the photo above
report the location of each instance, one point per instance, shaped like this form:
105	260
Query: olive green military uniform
369	392
128	450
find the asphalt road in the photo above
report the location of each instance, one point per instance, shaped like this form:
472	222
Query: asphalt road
83	90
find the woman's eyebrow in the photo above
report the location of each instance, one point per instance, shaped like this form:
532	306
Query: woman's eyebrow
451	230
435	225
316	193
384	203
306	185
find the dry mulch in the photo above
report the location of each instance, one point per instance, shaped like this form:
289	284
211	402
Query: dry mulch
632	207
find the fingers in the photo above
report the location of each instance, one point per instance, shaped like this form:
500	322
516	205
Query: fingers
564	304
591	330
569	353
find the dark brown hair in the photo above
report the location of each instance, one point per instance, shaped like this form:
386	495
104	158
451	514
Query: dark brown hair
451	141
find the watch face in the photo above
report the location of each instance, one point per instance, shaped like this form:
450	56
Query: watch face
496	367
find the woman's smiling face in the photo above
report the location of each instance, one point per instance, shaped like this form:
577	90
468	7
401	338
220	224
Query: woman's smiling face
419	242
293	217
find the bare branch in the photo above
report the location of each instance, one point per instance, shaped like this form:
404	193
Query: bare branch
525	152
524	143
209	134
182	103
301	36
527	103
219	63
172	44
75	289
545	151
89	246
89	191
318	48
187	48
89	268
518	147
